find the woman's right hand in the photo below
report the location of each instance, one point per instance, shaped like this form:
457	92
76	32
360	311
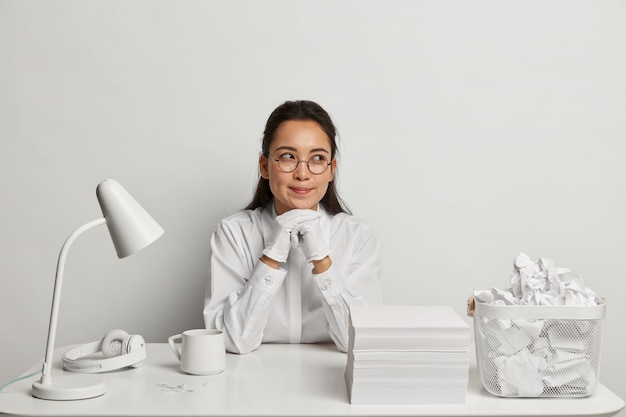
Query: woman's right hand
285	233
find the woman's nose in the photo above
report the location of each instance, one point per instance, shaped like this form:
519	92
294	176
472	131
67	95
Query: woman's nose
302	170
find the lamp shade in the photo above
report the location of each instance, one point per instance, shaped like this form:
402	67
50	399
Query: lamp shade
130	226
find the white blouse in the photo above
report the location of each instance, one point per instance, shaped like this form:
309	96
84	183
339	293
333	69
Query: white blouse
253	303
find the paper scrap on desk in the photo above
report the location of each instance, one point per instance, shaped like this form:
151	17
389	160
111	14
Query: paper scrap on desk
169	387
532	354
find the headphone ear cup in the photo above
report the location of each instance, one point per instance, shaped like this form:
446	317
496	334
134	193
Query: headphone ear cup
131	344
112	343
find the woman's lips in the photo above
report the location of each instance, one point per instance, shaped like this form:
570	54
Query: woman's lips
301	191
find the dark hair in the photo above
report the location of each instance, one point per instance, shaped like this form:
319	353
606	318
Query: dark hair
299	110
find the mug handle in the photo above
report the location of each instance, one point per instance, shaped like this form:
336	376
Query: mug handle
172	343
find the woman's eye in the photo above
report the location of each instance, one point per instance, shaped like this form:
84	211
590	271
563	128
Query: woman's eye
287	157
318	158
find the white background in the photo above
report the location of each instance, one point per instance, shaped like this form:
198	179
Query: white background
469	132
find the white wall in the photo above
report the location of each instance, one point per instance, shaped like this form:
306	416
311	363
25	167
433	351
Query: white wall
470	131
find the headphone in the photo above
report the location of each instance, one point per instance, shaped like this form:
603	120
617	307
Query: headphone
120	350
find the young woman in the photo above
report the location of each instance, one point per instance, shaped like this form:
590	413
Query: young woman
287	268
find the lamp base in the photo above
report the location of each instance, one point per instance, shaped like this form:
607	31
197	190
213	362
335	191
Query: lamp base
69	387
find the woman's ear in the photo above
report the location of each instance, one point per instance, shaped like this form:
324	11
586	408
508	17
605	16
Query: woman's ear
263	168
333	168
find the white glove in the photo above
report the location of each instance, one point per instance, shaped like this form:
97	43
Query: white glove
285	233
311	240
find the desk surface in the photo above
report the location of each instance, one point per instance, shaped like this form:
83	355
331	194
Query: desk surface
275	380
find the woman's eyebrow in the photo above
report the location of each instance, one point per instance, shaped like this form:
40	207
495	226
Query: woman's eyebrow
286	148
292	149
319	150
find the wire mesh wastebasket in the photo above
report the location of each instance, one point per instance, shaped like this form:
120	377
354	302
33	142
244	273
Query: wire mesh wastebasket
538	351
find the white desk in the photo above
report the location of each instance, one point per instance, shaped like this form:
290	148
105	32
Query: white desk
275	380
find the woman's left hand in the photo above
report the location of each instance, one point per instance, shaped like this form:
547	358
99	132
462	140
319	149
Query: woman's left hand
311	241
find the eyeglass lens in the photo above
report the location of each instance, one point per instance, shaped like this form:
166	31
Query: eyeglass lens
288	163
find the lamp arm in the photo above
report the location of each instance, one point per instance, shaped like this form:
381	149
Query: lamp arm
56	297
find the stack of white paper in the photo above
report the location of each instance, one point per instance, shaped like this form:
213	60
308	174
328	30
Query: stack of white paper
407	355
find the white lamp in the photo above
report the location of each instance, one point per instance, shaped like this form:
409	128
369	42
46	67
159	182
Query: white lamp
131	229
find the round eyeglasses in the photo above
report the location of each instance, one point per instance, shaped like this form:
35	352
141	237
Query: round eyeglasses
287	162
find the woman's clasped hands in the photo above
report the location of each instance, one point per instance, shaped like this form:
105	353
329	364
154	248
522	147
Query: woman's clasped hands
295	228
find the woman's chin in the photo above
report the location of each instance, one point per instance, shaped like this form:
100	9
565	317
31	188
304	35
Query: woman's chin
297	205
305	205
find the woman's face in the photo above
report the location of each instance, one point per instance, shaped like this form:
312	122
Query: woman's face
301	189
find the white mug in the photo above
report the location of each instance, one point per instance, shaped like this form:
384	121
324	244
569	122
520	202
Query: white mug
202	353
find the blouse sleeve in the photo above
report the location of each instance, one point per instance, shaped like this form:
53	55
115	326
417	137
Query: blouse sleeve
239	292
353	279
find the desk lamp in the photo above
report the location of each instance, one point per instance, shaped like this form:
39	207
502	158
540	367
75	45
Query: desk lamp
131	229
